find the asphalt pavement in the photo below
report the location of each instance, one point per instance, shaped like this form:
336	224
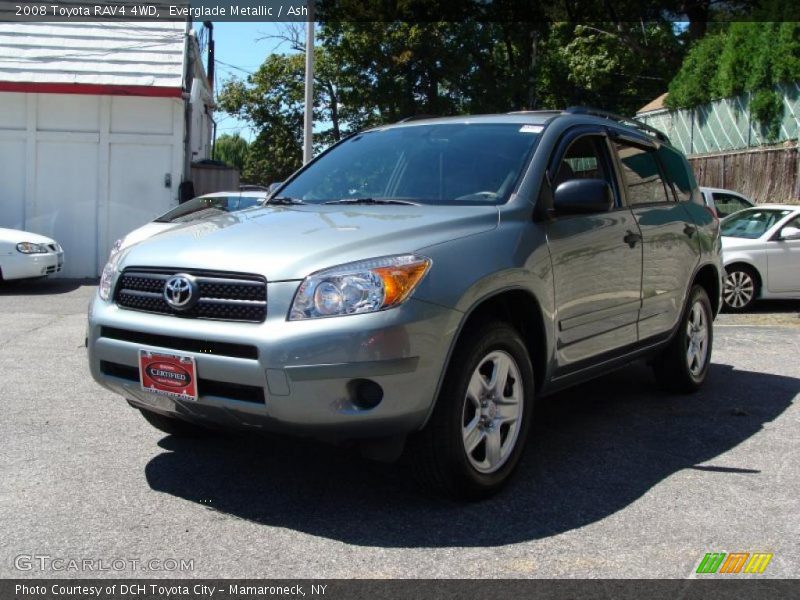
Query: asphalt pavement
619	479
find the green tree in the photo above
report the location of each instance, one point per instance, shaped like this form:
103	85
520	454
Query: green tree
272	101
696	81
617	67
373	72
231	149
741	57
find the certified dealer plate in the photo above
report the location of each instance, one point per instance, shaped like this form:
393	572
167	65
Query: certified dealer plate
168	374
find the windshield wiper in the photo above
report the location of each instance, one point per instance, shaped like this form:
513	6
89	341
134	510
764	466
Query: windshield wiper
372	201
282	201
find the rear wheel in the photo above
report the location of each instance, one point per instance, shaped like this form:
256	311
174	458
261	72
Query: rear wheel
173	426
477	432
740	288
683	365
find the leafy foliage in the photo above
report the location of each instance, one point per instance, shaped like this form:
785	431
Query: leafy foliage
767	107
618	68
231	149
741	57
369	73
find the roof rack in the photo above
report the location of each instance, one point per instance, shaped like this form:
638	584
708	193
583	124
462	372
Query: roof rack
636	123
544	111
416	118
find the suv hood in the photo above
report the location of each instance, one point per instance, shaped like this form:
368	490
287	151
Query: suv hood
291	242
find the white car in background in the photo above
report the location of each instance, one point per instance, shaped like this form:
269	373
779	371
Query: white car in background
25	255
761	254
724	202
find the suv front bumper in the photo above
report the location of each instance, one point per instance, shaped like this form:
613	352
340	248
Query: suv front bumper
295	376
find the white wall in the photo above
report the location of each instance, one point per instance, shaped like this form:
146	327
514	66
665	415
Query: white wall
202	106
87	169
146	53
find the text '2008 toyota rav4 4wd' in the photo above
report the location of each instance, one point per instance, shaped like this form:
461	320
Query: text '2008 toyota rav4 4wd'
417	286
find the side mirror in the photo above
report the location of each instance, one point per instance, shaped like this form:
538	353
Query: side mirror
578	196
789	233
274	186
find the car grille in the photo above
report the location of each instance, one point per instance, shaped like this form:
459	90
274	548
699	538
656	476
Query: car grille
222	296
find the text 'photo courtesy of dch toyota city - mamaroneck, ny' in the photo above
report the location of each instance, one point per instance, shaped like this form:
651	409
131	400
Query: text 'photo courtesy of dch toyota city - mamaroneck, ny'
414	299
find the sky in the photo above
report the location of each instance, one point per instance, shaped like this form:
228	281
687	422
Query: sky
240	51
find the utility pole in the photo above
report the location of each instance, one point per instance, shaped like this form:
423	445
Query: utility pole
308	121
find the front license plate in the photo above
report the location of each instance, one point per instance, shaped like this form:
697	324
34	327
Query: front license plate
168	374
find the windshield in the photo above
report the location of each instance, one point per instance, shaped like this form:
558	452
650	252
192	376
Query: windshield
753	223
207	206
428	164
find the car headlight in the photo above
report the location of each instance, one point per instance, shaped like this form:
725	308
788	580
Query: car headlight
107	277
360	287
31	248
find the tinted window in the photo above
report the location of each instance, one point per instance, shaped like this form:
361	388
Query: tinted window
205	206
678	172
727	204
752	223
438	164
642	175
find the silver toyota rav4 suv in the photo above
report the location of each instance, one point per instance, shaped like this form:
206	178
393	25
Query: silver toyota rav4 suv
417	287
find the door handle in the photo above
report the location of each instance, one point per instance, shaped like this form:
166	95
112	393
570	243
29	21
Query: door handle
631	238
689	230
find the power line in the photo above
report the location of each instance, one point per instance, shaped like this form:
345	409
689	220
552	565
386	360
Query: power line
216	60
247	127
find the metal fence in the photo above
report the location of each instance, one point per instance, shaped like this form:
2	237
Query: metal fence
726	124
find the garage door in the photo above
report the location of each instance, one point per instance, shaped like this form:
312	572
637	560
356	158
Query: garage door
85	170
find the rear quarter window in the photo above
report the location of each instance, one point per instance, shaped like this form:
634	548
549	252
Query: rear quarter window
678	173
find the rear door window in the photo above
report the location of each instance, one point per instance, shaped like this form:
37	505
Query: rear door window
642	175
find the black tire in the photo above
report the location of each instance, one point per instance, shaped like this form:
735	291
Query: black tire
172	426
672	367
438	455
740	289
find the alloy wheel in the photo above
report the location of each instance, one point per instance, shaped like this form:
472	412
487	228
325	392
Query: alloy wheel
492	411
739	289
697	339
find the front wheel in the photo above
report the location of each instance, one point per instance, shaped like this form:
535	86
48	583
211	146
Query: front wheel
475	437
683	365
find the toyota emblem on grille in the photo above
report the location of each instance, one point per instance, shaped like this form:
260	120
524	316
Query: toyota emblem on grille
180	292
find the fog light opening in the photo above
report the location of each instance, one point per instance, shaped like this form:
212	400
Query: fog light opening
365	394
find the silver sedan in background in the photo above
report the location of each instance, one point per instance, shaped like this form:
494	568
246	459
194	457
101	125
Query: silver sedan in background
723	203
